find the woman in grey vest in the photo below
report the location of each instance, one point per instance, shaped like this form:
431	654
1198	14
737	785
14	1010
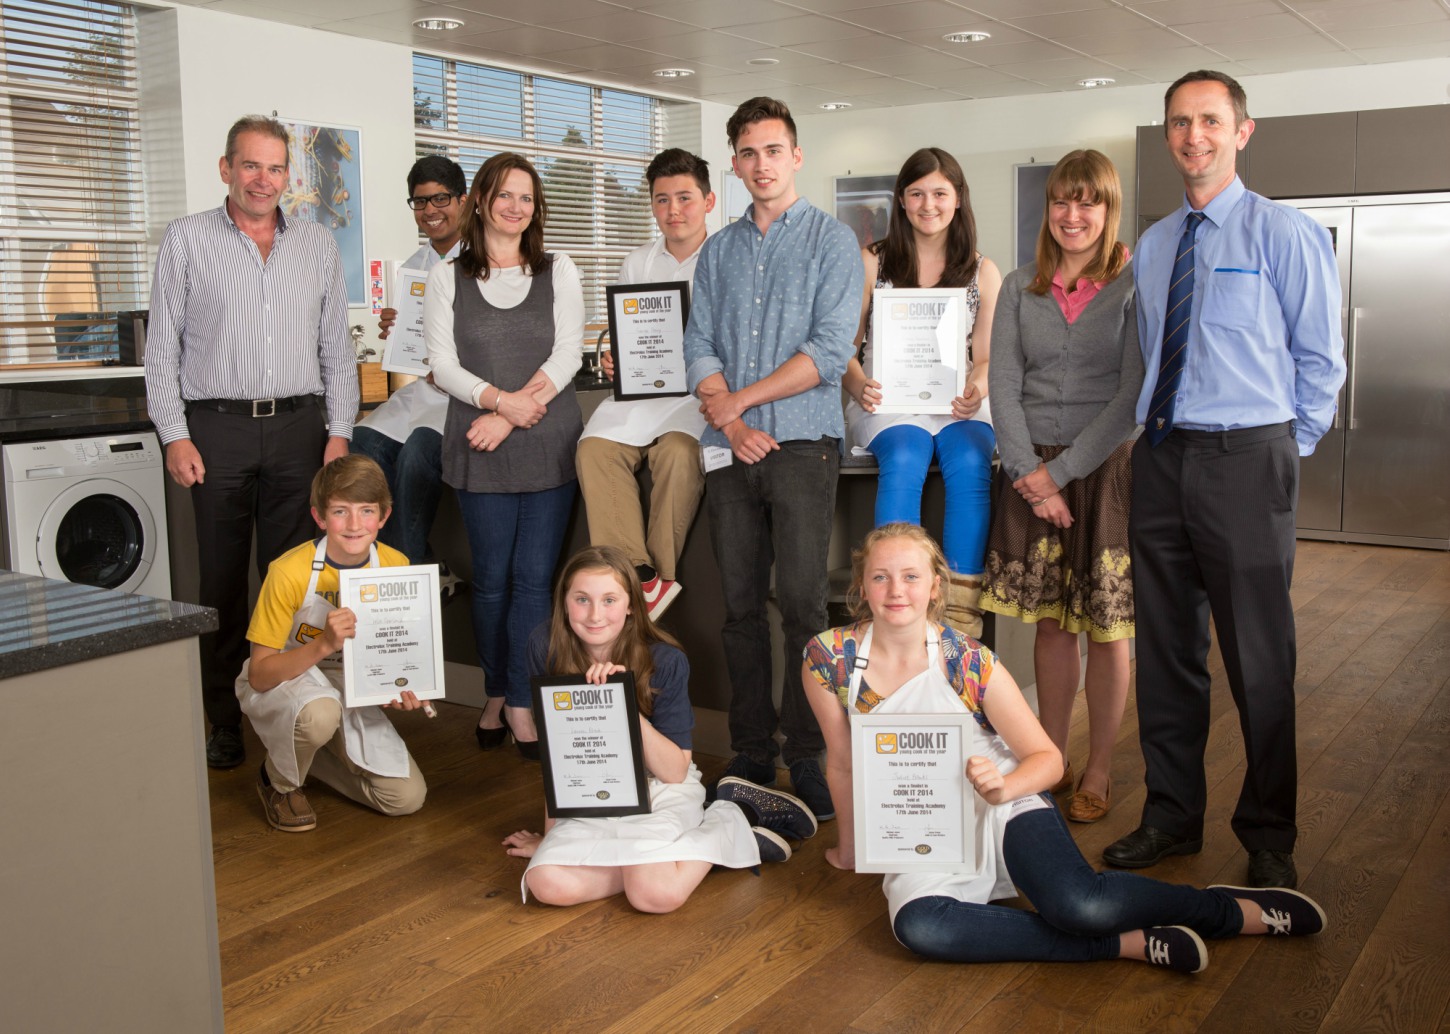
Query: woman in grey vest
1066	372
504	324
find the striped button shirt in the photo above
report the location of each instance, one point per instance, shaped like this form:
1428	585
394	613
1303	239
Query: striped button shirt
226	325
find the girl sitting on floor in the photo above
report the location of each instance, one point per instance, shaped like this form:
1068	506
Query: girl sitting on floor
919	666
600	627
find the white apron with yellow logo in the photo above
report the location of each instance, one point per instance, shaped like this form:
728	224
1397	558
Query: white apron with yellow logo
931	693
371	741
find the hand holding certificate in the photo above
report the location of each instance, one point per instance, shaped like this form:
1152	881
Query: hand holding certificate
919	348
913	807
647	339
398	644
590	745
406	351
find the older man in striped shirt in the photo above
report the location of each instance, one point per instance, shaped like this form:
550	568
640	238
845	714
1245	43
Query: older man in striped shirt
251	381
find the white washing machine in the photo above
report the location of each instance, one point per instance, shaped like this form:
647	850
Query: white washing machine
89	510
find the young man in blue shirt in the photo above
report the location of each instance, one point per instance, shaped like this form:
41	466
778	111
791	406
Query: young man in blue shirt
1238	319
777	296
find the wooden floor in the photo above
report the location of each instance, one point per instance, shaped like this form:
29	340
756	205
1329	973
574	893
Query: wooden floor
415	924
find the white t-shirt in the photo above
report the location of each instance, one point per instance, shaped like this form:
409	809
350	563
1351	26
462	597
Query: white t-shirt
641	421
416	404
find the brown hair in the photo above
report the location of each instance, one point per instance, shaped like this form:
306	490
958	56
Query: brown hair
897	251
1082	176
487	182
759	109
262	125
353	478
941	574
567	655
676	161
1236	95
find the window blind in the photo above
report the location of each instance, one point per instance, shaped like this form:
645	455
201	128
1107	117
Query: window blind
591	146
72	206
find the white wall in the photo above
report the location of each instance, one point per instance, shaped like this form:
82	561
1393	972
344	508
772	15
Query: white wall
990	136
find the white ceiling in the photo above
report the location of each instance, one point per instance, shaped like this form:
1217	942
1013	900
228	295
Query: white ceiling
883	53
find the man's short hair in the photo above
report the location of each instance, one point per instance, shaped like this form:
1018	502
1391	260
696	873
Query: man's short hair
257	124
353	478
1236	93
759	109
435	168
676	161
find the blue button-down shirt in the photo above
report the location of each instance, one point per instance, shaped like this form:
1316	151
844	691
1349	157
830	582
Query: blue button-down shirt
759	298
1264	341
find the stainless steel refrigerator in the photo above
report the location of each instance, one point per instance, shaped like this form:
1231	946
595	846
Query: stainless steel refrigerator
1382	472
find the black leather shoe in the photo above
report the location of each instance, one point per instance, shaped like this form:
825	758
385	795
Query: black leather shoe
224	747
528	749
1147	846
1272	869
492	739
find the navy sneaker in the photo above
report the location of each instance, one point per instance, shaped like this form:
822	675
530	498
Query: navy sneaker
1176	947
810	786
743	767
776	811
1282	911
773	847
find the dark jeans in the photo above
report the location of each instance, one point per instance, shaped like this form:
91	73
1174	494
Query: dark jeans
1212	531
515	538
258	472
1080	913
414	470
777	511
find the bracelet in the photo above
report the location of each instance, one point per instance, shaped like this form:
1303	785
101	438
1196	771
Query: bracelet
497	395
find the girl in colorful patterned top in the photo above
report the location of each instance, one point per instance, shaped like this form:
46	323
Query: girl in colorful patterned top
919	666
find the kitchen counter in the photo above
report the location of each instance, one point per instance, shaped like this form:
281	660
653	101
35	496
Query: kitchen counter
45	624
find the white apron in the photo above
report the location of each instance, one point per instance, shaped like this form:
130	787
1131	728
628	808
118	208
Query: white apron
931	693
371	741
678	829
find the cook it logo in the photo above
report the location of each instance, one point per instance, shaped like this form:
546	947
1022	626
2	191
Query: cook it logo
417	288
631	306
368	593
886	743
898	310
563	702
306	633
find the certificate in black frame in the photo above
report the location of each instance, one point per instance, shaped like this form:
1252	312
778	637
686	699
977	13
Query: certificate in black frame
676	295
552	724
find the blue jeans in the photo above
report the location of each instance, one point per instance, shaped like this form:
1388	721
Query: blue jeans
963	450
515	538
414	470
1080	913
777	511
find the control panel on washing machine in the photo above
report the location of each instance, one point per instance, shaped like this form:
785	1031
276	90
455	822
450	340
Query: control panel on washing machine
30	461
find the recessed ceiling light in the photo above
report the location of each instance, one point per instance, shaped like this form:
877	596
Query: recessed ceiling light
763	61
1092	84
835	106
967	37
437	24
673	73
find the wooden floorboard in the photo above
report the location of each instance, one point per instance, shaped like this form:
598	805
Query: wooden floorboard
415	925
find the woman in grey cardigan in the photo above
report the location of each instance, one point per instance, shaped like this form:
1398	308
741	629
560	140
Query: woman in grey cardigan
1065	376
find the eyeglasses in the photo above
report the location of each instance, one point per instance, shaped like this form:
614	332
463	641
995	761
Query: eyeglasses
417	204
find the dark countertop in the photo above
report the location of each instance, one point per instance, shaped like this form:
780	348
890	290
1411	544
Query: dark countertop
39	410
46	624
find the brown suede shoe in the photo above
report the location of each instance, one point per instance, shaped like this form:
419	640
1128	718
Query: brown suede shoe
1064	784
288	812
1086	806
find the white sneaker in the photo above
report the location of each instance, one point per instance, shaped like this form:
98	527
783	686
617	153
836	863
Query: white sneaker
659	593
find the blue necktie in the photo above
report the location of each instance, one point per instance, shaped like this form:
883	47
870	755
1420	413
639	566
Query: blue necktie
1175	336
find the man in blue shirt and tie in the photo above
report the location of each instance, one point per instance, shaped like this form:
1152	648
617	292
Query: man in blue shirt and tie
1239	322
777	297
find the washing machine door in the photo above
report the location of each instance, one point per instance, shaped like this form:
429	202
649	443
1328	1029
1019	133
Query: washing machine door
97	532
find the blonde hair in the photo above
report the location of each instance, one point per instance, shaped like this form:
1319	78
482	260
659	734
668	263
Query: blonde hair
1083	176
567	655
937	561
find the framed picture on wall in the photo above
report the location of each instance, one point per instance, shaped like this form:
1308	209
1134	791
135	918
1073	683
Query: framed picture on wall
324	184
864	204
1029	186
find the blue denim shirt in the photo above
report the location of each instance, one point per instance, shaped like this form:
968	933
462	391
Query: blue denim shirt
761	298
1264	342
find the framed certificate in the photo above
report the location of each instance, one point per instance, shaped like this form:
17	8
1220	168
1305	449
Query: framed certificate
406	351
398	644
919	348
914	809
647	339
590	745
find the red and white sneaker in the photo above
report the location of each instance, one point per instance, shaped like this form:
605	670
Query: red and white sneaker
659	593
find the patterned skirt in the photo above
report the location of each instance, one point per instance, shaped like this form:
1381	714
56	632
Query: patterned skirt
1080	577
